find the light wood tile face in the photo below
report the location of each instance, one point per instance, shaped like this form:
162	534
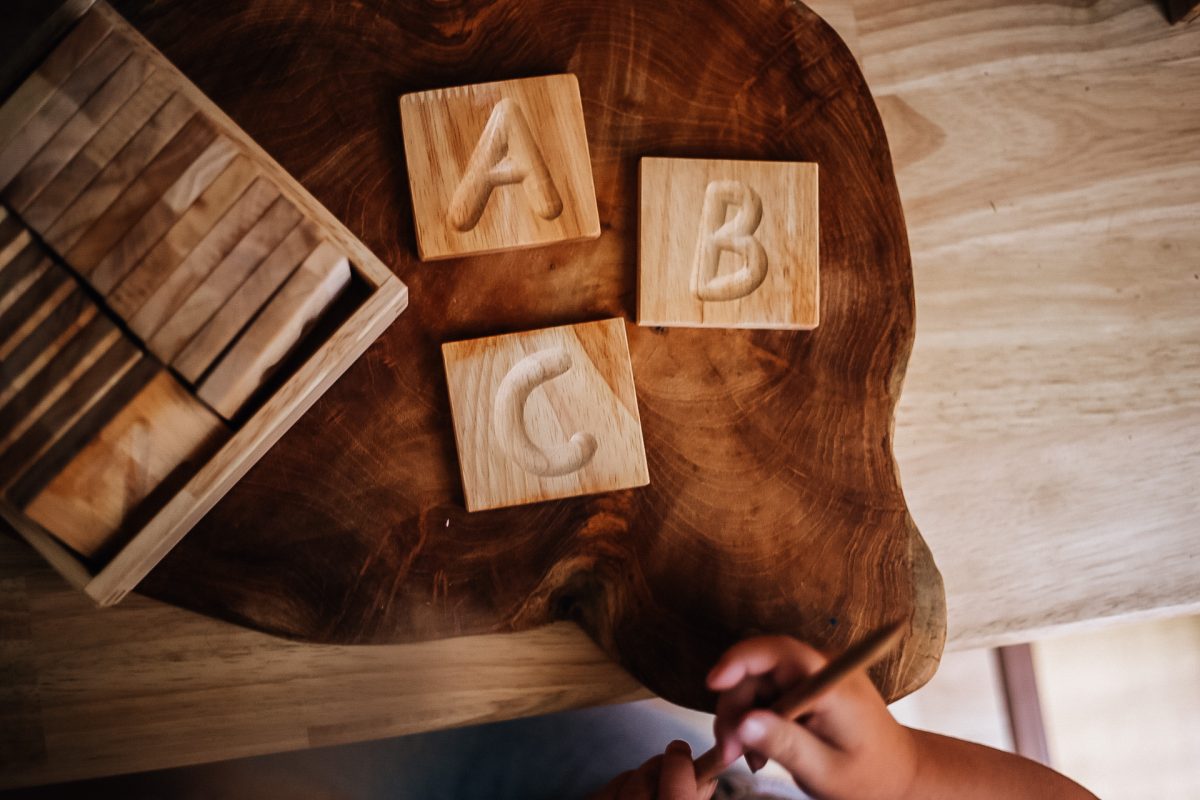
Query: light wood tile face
728	244
545	414
498	166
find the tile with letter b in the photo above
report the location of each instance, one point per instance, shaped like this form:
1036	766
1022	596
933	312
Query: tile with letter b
545	414
728	244
498	166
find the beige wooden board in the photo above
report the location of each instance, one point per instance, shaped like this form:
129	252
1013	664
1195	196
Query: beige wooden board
202	350
161	216
152	270
107	186
76	133
37	90
62	105
176	158
545	414
498	166
225	280
52	201
728	244
161	429
173	290
276	330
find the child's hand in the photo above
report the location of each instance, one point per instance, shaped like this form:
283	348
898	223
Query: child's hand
670	776
848	746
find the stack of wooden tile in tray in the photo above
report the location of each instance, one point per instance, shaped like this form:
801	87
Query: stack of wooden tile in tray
151	278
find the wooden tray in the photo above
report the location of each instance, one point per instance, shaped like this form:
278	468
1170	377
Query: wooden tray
373	301
774	501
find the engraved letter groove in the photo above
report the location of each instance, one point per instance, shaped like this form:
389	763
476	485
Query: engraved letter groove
509	418
736	235
506	154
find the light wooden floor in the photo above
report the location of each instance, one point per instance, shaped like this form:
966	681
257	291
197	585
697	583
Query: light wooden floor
1048	156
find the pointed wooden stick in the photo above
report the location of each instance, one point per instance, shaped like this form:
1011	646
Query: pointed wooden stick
802	696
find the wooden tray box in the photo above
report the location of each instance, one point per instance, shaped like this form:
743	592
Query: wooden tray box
373	300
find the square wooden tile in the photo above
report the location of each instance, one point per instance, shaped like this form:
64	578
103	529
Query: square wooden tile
728	244
545	414
498	166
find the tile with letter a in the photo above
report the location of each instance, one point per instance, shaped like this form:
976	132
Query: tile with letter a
728	244
498	166
545	414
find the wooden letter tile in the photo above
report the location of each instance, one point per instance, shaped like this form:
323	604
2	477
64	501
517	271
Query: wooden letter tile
276	330
45	209
545	414
498	166
728	244
103	482
225	280
202	350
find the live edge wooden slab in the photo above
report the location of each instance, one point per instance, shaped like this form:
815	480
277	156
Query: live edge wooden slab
774	501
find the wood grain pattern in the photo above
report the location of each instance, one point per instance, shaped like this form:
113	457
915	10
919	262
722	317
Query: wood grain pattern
276	330
35	305
152	270
102	148
159	430
174	288
26	265
107	186
162	214
498	166
741	428
547	414
211	340
180	156
225	280
62	104
76	133
727	244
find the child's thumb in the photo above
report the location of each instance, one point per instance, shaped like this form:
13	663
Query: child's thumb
791	746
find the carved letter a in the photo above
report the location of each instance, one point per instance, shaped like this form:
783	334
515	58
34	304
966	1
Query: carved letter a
506	153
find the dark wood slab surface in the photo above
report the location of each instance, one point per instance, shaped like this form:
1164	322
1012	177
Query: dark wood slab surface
774	503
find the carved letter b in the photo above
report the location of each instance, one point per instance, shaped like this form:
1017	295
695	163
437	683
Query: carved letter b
506	153
736	235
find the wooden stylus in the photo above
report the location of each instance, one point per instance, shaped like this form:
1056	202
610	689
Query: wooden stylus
801	697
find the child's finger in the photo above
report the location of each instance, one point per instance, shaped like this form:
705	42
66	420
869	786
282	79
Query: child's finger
677	777
762	655
794	748
731	705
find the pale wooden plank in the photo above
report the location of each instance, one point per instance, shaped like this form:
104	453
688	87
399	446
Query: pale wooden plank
176	158
225	280
72	179
119	173
157	432
149	273
172	291
545	414
32	95
62	105
239	307
77	132
276	330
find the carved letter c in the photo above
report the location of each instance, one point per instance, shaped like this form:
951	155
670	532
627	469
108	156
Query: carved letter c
508	416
